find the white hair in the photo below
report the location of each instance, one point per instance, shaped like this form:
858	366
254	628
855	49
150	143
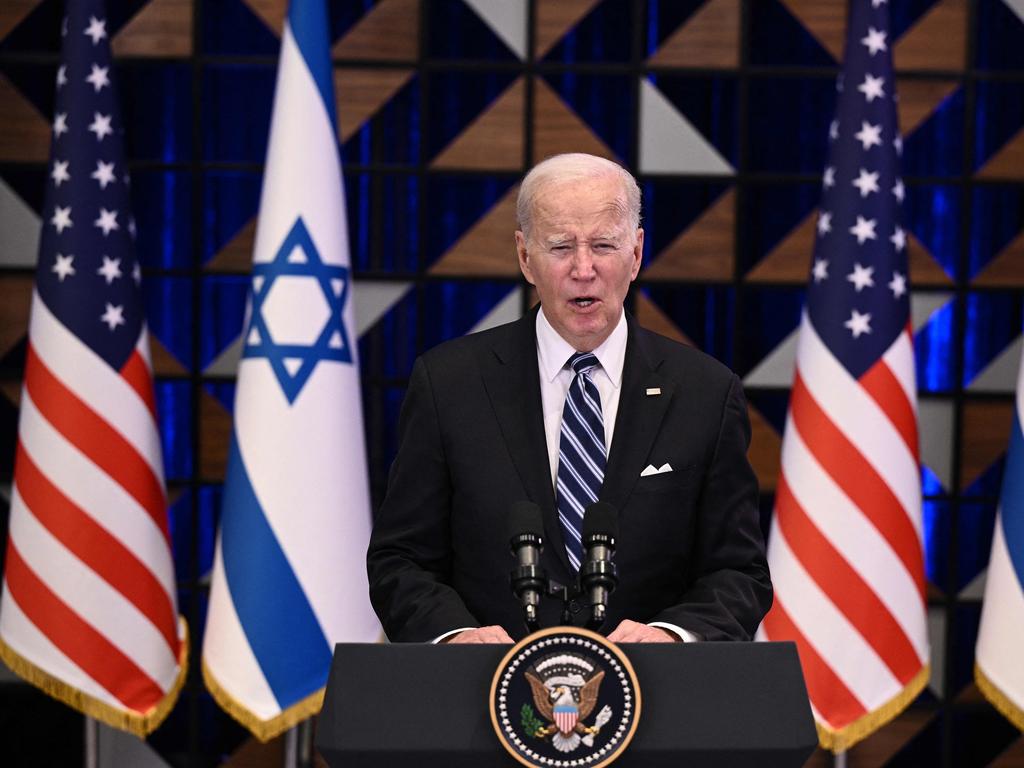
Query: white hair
575	166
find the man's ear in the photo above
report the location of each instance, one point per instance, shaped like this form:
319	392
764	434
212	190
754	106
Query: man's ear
638	254
523	256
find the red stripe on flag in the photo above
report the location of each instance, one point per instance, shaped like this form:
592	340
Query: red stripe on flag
844	586
93	436
828	693
885	389
136	373
94	546
76	638
851	471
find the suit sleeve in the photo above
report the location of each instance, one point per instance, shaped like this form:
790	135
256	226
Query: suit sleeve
728	585
409	557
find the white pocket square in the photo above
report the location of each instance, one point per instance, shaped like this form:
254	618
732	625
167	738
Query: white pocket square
653	470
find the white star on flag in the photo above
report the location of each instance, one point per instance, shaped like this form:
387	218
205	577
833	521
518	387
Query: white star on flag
61	218
62	76
898	190
898	143
98	77
63	266
96	30
898	285
864	229
60	172
137	273
829	179
824	223
820	270
113	316
107	221
859	323
833	130
866	182
875	41
861	277
899	239
872	87
60	124
100	126
104	174
869	135
877	3
111	269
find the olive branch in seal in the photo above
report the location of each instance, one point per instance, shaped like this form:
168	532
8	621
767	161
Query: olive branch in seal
529	720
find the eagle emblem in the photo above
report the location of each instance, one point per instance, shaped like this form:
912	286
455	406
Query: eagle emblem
565	697
565	688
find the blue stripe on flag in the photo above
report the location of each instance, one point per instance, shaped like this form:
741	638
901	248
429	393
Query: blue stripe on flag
275	615
309	24
1012	500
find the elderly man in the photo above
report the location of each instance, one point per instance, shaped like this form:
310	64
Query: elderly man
572	403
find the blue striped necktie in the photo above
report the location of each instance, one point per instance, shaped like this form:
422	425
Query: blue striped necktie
581	454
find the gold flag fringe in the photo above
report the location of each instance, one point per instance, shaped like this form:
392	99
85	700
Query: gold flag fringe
998	699
140	724
860	729
264	730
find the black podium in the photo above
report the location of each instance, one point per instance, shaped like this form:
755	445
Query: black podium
704	704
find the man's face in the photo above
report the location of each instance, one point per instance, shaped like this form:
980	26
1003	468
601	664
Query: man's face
581	256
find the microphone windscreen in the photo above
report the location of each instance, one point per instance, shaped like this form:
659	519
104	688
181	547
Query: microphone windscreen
525	517
601	518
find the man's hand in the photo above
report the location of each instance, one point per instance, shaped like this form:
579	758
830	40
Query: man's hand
493	634
634	632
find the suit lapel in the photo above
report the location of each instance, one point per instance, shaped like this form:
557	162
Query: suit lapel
639	418
513	384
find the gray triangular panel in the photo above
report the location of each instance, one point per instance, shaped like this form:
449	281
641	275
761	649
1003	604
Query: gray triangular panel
507	310
935	423
924	305
1017	6
1000	376
668	141
372	299
226	363
507	19
19	230
975	589
776	369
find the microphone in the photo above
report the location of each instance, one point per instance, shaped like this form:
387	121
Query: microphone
599	576
526	541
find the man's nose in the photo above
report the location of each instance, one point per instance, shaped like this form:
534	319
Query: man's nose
583	262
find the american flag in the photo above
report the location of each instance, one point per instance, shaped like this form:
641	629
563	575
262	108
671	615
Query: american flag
88	611
845	549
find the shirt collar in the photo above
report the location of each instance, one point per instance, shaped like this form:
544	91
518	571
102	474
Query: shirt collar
553	351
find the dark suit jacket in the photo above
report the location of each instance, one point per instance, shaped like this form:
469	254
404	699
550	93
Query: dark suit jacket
690	550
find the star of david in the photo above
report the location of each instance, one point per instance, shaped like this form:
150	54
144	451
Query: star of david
293	361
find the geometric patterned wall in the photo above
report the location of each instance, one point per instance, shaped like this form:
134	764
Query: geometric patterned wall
721	108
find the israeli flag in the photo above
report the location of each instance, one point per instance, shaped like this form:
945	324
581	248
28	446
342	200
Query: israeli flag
289	577
999	658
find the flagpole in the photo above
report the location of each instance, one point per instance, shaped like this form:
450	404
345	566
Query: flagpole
839	760
92	743
298	746
290	750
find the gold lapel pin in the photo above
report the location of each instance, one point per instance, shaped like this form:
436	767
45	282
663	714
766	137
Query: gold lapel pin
652	391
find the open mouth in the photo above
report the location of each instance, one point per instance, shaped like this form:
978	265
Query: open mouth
584	301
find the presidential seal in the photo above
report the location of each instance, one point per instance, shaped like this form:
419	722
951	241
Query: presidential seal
565	698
